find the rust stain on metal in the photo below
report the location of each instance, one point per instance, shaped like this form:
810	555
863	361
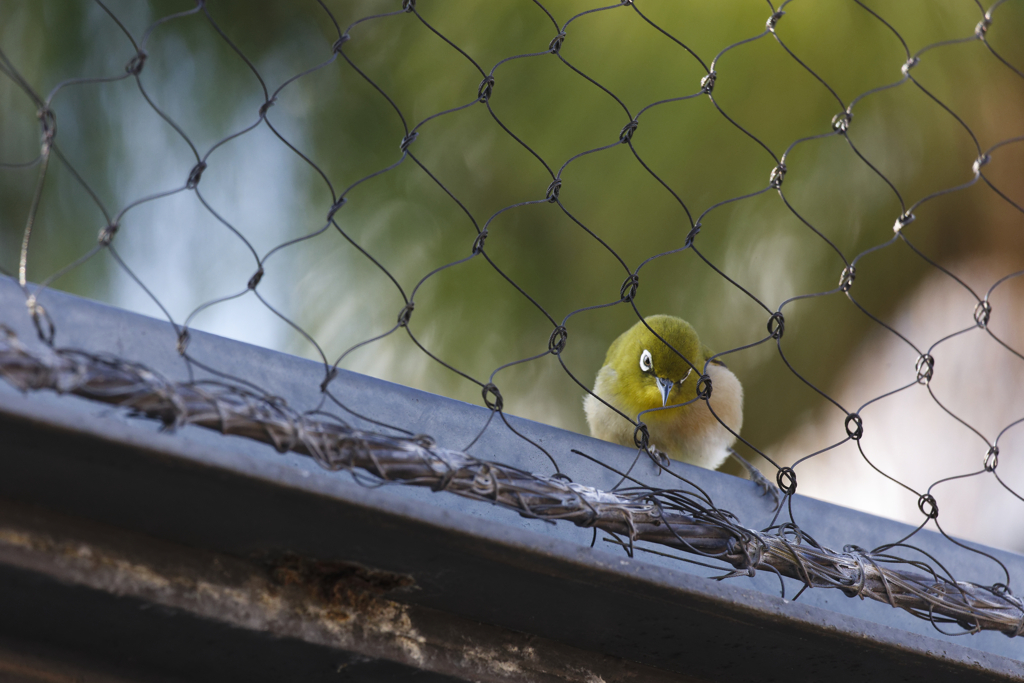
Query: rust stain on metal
332	603
343	589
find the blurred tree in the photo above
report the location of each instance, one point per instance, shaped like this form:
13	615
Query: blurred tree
468	166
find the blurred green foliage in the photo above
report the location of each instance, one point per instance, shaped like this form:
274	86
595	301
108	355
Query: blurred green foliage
468	315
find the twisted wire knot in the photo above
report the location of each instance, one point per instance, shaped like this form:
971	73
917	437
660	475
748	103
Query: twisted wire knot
405	314
707	84
553	189
408	139
195	175
556	342
556	43
106	235
135	64
854	426
483	92
905	219
786	480
992	459
982	313
925	367
478	242
492	397
841	121
928	506
847	277
256	277
626	134
627	292
690	236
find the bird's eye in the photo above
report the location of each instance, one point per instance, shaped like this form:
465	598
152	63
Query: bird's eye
680	382
646	363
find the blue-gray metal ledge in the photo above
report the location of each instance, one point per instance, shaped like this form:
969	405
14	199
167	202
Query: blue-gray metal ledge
130	553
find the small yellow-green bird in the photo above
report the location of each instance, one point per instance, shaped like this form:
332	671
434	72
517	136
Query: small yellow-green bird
641	374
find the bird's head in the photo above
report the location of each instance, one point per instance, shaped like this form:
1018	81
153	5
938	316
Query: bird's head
649	374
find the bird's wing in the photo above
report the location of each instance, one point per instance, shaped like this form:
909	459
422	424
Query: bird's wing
708	353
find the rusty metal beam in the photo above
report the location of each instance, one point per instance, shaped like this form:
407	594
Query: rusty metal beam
150	555
345	611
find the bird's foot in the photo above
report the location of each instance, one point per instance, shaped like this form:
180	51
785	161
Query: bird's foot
768	487
659	457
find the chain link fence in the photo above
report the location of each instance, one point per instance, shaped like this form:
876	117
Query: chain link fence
477	199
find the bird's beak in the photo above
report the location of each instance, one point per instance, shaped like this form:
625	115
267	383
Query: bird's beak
664	386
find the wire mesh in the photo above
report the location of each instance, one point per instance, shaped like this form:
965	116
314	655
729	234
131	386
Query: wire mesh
535	206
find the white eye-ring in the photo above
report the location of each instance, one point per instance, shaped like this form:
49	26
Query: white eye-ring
646	363
680	382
